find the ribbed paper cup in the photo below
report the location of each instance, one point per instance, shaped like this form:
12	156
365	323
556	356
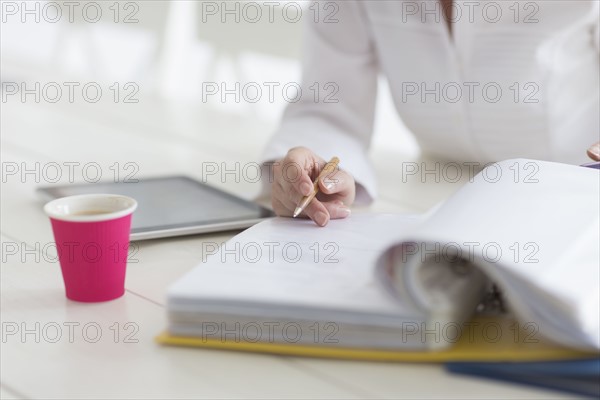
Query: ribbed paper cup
92	238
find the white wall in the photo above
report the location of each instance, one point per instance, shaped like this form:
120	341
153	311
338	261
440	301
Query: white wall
169	53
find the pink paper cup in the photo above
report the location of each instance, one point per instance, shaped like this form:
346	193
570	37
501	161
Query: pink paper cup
92	239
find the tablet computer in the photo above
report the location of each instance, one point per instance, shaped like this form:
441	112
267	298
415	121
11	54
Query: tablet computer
173	206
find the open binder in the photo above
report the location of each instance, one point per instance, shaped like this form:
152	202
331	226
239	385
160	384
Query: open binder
408	288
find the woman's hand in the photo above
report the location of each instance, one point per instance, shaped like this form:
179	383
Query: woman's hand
594	152
293	178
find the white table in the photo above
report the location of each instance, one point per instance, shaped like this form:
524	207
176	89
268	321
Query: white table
163	139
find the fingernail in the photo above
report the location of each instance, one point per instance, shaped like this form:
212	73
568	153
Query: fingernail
329	183
595	150
345	211
321	218
305	188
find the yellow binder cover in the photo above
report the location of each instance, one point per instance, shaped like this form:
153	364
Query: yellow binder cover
509	345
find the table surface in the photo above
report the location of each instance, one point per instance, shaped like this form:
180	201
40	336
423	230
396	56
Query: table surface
65	349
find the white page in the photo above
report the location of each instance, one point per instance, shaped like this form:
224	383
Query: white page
344	282
544	218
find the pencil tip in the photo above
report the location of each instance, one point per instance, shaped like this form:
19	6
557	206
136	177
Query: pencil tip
297	212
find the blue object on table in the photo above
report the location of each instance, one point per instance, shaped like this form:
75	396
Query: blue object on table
595	165
580	377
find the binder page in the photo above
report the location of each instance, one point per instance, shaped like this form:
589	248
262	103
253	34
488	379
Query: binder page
533	227
291	267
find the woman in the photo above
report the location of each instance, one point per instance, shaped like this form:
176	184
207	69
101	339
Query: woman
476	81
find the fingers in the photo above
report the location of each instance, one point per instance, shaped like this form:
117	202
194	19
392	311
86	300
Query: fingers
279	208
339	183
284	202
594	152
298	166
305	186
321	212
337	209
294	178
317	212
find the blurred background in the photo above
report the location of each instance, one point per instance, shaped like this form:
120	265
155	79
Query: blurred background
146	82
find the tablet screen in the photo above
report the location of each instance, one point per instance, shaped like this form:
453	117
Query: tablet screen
171	203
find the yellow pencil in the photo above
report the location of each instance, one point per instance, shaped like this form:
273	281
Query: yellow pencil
329	168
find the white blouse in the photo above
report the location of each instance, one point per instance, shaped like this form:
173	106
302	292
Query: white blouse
515	79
